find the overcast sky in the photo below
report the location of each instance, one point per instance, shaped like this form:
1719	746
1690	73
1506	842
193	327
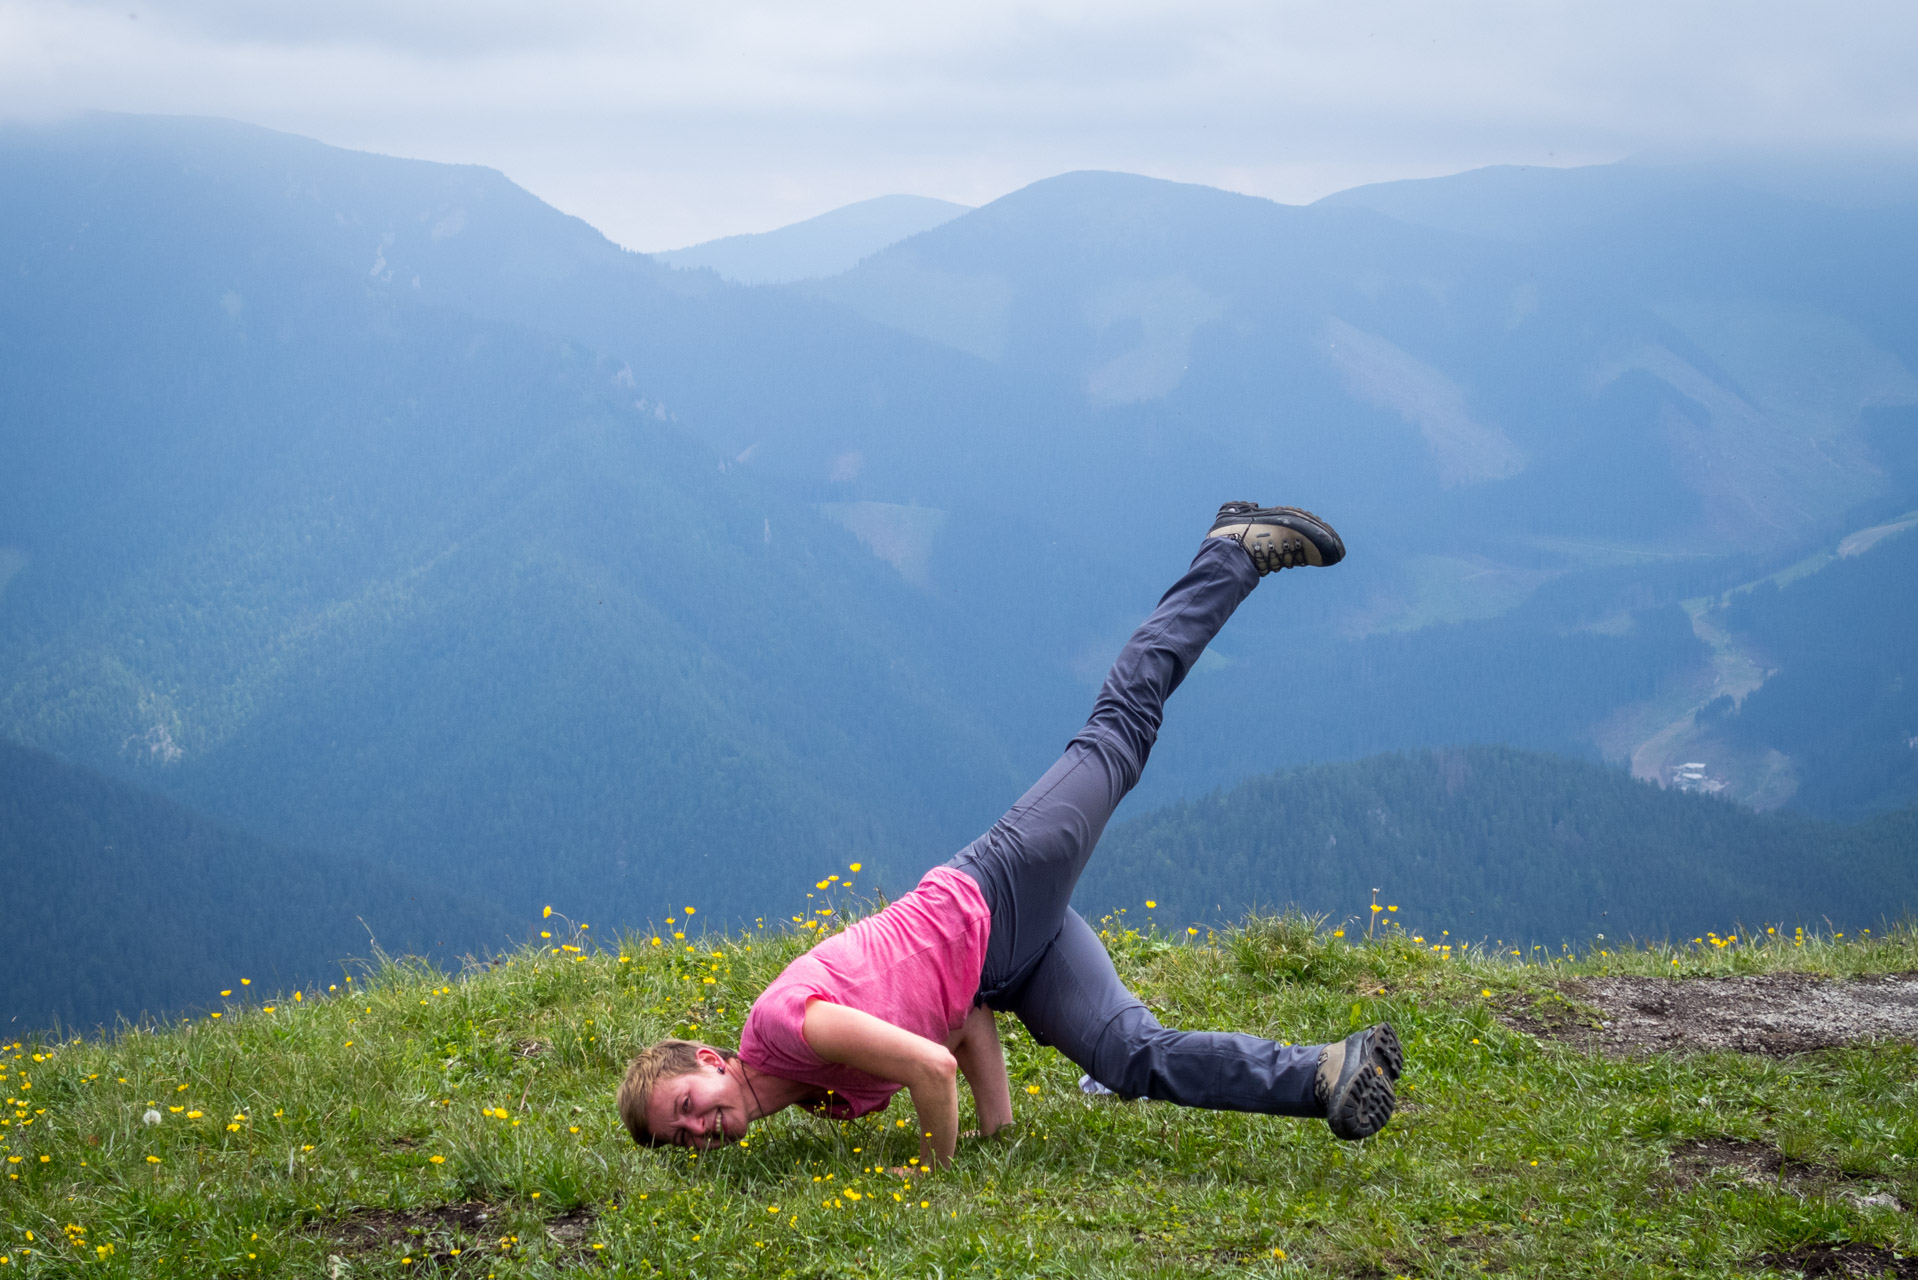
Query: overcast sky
666	124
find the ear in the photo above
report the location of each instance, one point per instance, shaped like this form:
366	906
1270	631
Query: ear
711	1058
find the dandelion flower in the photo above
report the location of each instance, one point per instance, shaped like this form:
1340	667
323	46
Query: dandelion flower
151	1117
153	1159
436	1159
854	868
546	914
1151	904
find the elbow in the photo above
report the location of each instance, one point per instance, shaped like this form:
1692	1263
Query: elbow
940	1068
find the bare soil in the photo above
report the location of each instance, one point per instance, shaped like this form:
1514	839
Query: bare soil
1771	1013
1704	1160
1848	1261
432	1230
435	1231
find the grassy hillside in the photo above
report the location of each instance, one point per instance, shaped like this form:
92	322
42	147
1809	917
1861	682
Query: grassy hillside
411	1122
122	903
1489	842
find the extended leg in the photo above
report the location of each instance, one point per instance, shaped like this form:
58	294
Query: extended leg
1075	1002
1028	864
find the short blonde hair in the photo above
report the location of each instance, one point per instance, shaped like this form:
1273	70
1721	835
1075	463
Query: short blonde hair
662	1061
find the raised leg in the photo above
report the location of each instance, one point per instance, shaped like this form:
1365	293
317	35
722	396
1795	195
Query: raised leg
1028	863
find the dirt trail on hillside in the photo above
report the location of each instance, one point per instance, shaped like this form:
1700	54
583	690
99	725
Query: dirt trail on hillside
1772	1013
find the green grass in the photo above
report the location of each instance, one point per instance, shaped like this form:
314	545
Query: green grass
327	1125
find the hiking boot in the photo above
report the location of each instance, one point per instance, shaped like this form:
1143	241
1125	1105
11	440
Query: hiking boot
1278	537
1355	1081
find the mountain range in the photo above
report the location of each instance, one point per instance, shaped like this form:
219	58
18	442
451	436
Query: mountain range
818	247
1486	845
372	506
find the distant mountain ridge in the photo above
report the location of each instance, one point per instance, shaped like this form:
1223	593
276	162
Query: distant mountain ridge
1486	843
124	905
817	247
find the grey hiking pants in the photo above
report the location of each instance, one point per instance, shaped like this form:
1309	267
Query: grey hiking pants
1044	963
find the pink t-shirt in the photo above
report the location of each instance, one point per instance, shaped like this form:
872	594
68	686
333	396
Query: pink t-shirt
916	964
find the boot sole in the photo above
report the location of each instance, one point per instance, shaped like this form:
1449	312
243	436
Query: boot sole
1363	1101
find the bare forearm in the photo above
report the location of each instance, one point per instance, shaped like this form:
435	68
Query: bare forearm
936	1098
983	1062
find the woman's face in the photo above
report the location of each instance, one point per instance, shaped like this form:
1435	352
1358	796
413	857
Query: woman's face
703	1108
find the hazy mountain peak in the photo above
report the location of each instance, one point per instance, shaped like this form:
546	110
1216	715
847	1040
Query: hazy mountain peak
818	247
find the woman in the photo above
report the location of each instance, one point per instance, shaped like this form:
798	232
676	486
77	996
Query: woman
903	999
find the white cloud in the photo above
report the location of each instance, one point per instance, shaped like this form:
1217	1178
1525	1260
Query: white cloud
664	124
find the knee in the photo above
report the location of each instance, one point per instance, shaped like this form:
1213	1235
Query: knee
1129	1057
1120	748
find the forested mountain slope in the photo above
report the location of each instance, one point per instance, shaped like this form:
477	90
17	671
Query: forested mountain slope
120	903
1841	696
358	569
375	506
1490	843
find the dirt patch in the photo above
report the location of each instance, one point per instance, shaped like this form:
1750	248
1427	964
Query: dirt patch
1751	1163
1862	1261
570	1230
433	1230
1771	1013
433	1234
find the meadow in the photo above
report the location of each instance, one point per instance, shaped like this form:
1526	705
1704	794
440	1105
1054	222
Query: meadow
407	1121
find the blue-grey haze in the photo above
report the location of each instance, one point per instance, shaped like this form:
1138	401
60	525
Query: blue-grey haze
818	247
373	506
